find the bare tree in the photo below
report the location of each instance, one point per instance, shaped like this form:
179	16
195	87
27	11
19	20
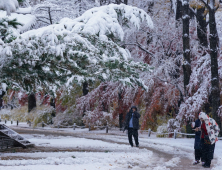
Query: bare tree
45	13
186	45
214	45
179	10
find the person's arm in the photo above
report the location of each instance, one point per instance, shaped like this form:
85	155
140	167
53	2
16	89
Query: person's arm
137	115
126	121
197	126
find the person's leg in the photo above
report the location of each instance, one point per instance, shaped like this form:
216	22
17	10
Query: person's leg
135	135
202	150
197	154
207	163
130	133
210	155
206	152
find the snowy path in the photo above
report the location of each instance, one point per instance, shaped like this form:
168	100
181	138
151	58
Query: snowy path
110	156
97	150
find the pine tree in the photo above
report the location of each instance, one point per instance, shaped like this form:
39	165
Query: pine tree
6	33
74	51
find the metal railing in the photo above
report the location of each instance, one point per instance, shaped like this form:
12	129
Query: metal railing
5	143
175	133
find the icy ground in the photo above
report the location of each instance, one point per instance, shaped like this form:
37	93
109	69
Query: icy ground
64	149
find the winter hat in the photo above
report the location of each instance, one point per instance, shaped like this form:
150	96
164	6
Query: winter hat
134	107
211	126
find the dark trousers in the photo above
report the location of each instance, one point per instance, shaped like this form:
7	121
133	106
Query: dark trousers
134	133
201	149
208	153
197	154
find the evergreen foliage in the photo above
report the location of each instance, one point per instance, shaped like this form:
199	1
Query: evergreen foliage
74	51
6	32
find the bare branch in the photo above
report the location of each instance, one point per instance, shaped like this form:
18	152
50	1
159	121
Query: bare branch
42	17
181	93
169	47
193	12
206	4
218	6
43	21
140	46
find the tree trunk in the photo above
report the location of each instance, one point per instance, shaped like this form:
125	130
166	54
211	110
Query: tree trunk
2	93
150	7
31	102
179	11
118	1
52	102
85	89
80	7
120	105
215	91
126	2
202	26
186	45
50	17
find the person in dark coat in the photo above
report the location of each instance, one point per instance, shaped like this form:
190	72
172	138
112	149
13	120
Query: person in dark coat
197	143
132	125
210	131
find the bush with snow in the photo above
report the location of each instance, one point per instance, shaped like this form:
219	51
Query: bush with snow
9	6
36	116
99	118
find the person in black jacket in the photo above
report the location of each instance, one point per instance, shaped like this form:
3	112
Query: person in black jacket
197	143
132	124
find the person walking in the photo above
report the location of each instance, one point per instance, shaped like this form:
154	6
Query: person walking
197	143
210	131
132	125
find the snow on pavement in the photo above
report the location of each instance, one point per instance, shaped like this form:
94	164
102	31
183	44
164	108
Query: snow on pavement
114	156
180	147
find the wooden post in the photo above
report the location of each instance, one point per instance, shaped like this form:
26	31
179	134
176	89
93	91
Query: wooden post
42	124
107	129
89	127
149	132
74	126
17	122
175	134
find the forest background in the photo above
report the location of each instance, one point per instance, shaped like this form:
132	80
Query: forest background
182	51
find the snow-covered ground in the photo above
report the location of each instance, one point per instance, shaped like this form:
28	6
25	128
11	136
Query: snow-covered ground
98	150
106	156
